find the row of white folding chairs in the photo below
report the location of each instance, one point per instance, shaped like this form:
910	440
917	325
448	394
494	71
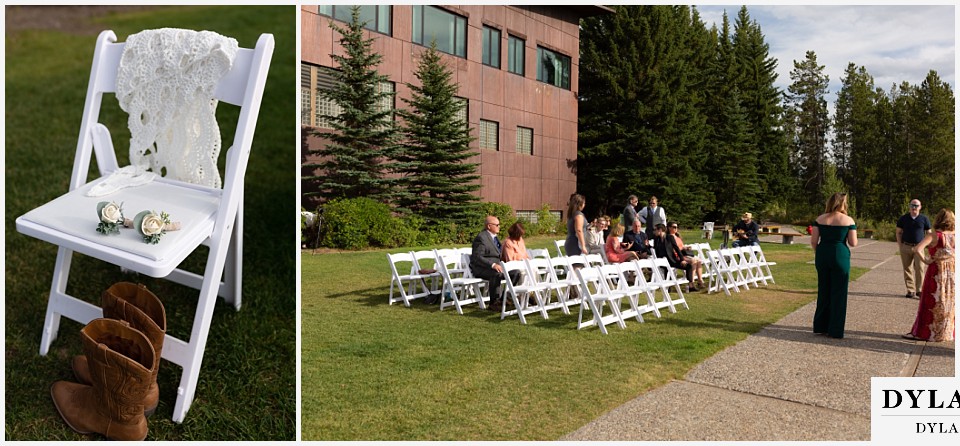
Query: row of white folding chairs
733	268
608	285
421	282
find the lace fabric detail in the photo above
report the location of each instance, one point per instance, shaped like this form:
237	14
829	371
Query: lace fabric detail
165	81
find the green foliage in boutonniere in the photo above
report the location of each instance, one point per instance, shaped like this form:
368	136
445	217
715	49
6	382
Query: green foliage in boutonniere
151	225
111	217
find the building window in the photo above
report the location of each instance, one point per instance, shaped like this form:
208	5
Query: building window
316	108
376	17
491	47
525	140
447	29
553	68
461	114
515	53
489	135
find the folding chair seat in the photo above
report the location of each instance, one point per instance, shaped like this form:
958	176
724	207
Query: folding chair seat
649	270
668	278
760	259
519	293
406	284
210	216
460	290
724	278
595	295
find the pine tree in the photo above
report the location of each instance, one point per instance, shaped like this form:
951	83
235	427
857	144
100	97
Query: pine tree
808	123
857	140
356	157
933	169
438	179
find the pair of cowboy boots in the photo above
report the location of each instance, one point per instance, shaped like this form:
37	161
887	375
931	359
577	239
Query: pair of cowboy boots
118	371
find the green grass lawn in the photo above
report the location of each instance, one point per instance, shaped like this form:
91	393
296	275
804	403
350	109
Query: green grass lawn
247	387
372	371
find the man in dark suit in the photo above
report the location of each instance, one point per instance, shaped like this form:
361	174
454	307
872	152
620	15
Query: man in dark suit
636	236
484	256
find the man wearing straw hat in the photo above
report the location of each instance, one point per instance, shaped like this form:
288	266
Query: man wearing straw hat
745	231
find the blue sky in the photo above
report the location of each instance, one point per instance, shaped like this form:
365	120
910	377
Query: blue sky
894	43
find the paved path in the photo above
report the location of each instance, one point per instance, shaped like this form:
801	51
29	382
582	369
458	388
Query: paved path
784	382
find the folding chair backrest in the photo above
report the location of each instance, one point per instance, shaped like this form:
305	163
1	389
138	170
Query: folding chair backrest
560	248
424	259
594	260
538	253
401	261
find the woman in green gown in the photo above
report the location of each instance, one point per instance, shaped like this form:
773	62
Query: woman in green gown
832	232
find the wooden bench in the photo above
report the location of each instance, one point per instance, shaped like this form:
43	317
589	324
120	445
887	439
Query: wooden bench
868	233
770	229
788	235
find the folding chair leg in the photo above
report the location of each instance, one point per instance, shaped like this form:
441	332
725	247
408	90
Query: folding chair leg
60	304
233	271
190	355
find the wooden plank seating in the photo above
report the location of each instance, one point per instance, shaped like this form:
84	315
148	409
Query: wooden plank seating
868	233
788	235
770	229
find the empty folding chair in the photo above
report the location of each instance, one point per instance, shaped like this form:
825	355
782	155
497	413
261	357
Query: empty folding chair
520	292
761	260
740	277
594	260
724	278
210	213
560	248
632	282
423	264
595	296
668	278
563	268
748	264
649	269
406	284
544	275
460	290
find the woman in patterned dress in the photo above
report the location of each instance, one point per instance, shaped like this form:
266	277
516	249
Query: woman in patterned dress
937	314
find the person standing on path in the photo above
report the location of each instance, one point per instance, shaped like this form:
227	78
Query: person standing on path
629	212
936	315
911	229
832	232
651	216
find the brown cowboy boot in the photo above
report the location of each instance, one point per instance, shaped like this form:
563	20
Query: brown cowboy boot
120	361
135	304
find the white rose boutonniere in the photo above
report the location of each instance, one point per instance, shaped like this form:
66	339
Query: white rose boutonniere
111	217
151	225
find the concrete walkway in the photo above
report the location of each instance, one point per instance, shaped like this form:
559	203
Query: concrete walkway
784	382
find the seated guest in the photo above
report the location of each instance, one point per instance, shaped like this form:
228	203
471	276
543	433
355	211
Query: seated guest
606	226
595	236
513	247
674	231
745	231
484	258
617	251
638	240
666	246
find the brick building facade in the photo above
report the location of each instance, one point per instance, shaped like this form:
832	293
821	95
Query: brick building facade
516	67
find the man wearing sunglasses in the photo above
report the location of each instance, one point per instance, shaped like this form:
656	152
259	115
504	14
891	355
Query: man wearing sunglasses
912	227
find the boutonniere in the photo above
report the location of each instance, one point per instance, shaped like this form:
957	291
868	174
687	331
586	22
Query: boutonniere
111	217
151	225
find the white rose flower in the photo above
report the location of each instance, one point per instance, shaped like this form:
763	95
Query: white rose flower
111	213
152	224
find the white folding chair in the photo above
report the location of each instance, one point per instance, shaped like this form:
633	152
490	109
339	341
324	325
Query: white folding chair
668	278
724	278
423	263
453	260
209	216
748	264
731	257
594	260
639	287
406	284
757	257
563	272
595	295
538	253
544	275
519	293
560	248
649	268
461	290
707	229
